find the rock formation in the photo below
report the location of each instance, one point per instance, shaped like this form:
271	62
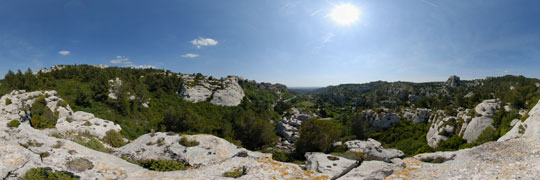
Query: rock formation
373	150
382	119
222	92
467	123
453	81
289	124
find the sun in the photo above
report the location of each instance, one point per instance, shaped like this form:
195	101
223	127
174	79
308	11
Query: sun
345	14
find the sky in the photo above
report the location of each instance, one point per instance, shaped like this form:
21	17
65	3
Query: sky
293	42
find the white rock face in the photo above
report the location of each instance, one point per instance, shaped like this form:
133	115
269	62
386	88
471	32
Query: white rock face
82	122
374	170
211	149
529	128
373	150
224	92
115	85
330	165
513	159
476	127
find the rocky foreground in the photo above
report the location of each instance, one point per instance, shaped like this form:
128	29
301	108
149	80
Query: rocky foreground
515	156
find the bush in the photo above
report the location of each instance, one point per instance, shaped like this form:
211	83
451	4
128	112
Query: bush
282	156
185	142
236	173
317	136
162	165
47	174
13	124
42	116
44	154
114	138
8	101
62	104
452	143
94	144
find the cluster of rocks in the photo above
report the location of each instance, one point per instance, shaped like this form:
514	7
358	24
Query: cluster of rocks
382	118
417	116
221	92
48	70
288	127
467	123
363	160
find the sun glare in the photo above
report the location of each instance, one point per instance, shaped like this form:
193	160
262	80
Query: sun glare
345	14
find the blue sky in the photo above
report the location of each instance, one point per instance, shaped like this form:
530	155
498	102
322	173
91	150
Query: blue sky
293	42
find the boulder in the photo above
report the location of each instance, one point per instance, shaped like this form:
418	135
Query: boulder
330	165
381	120
436	157
476	127
373	150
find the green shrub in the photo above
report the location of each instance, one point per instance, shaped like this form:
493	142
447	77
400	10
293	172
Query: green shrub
13	124
8	101
185	142
44	154
317	136
42	116
282	156
62	104
114	138
525	117
58	144
47	174
236	173
162	165
95	144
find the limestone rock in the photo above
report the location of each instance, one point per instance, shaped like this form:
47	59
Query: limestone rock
288	126
436	157
369	170
453	81
381	120
224	92
373	150
83	122
529	128
330	165
476	127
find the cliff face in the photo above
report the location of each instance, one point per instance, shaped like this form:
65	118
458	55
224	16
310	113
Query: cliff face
221	92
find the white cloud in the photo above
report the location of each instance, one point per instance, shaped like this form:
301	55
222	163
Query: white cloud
204	42
64	53
190	55
124	61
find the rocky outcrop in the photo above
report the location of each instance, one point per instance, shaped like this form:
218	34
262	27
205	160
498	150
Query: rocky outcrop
373	150
222	92
420	115
453	81
83	122
374	170
330	165
467	123
528	128
289	124
381	119
513	159
210	149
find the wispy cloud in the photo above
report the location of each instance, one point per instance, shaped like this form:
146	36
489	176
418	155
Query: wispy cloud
204	42
190	55
64	53
315	13
124	61
430	3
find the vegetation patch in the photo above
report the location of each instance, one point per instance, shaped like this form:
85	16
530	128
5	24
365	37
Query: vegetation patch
114	138
236	172
42	116
47	174
185	142
79	165
8	101
162	165
13	124
44	154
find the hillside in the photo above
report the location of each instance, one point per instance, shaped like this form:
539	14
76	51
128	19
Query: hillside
130	123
